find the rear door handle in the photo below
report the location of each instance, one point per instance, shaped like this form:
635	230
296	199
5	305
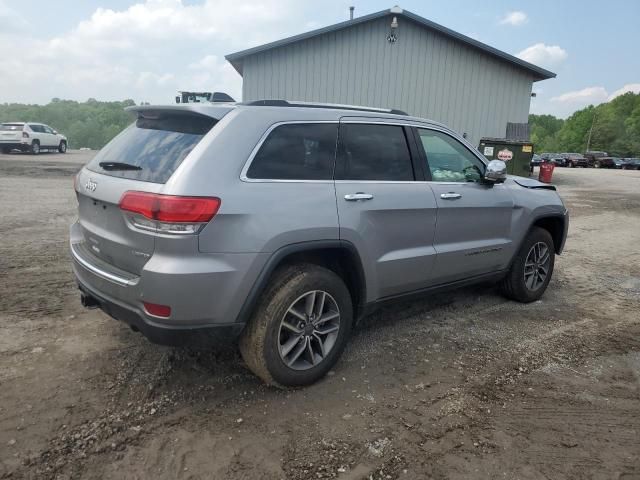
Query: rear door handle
450	196
354	197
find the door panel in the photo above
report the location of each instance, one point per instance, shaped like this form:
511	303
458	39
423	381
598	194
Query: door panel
393	232
473	235
388	215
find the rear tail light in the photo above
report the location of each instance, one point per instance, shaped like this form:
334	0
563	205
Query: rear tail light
169	213
157	310
25	135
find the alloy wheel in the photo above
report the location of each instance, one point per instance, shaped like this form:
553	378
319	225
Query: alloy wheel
308	330
536	266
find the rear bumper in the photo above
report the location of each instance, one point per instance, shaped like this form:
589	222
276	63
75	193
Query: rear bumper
164	334
205	291
13	145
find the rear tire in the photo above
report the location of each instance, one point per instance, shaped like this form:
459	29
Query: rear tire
523	282
35	147
268	343
596	165
62	148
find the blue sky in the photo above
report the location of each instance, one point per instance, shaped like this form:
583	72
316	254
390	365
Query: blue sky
148	49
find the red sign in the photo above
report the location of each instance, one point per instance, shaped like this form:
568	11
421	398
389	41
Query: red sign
505	155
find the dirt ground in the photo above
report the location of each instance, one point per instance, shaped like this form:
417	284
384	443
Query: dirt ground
457	385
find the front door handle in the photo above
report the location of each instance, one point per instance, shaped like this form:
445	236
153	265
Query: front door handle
354	197
450	196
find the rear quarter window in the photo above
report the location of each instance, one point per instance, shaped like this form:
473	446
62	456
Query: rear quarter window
300	151
157	145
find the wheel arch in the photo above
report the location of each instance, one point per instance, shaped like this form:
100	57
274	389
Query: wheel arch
557	226
339	256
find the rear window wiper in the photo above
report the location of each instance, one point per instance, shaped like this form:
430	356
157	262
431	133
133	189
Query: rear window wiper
119	166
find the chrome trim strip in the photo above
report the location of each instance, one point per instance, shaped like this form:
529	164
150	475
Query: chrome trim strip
123	282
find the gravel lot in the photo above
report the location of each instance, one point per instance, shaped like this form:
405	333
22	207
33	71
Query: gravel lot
457	385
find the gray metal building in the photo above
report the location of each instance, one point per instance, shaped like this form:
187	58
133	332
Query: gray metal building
411	64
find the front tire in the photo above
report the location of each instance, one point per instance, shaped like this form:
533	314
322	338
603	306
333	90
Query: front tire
531	269
62	148
299	327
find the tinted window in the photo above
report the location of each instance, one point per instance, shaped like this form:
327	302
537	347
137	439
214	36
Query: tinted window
374	152
448	159
296	152
11	126
36	128
158	145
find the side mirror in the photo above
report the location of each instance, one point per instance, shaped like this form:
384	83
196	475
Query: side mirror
496	172
55	132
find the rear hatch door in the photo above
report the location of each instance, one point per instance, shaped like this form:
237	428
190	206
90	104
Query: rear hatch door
11	132
141	158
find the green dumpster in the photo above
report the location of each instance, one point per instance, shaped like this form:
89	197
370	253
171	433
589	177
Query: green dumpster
515	153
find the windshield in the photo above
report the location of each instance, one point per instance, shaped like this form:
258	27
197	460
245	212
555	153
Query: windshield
157	145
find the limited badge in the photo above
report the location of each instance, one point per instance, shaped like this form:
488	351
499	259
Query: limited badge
505	155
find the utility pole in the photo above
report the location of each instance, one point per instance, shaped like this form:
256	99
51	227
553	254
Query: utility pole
593	121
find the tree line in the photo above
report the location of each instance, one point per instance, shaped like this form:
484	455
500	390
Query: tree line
89	124
613	127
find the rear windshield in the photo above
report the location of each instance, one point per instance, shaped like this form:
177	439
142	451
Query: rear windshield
11	126
157	145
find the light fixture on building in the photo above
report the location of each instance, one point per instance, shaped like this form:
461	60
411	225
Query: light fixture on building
393	36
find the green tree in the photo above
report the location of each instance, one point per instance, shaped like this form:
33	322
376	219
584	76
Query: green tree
86	124
614	127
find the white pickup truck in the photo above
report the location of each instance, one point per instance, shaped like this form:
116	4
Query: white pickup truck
30	137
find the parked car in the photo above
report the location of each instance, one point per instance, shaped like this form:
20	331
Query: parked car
536	160
607	162
575	160
220	221
30	137
631	164
617	162
557	158
593	158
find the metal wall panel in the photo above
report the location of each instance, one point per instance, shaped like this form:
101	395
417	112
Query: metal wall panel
424	73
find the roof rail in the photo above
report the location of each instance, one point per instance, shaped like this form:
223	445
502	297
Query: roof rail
336	106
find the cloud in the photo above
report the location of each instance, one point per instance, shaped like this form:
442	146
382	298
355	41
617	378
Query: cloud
11	21
630	87
586	96
514	18
147	51
543	55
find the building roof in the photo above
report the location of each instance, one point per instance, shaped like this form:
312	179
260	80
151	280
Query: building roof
237	59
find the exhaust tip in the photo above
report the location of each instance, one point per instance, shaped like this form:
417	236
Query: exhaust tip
88	301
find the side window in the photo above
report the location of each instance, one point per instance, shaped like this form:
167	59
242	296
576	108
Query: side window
448	159
373	152
36	128
297	152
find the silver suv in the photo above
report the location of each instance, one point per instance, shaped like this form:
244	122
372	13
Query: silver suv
282	224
